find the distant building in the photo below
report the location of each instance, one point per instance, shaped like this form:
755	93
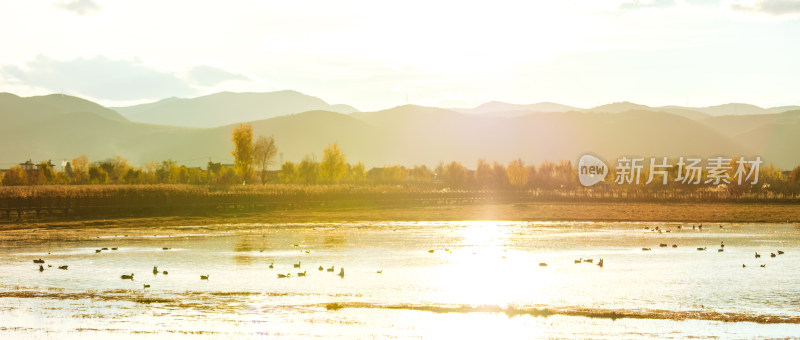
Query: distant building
49	164
28	165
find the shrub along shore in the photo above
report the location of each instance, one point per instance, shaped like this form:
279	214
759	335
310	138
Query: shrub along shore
76	202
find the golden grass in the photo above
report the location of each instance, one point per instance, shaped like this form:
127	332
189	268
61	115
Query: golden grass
538	211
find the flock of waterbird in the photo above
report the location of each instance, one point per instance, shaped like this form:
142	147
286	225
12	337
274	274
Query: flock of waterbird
721	243
41	263
304	273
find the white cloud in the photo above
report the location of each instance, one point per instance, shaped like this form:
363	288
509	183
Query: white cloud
208	76
774	8
79	7
99	77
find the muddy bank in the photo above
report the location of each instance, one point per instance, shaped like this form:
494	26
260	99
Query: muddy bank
538	211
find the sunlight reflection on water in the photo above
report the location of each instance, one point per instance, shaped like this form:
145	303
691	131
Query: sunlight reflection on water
487	263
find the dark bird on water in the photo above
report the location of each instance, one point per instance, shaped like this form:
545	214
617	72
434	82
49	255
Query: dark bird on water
341	272
542	264
272	265
63	267
155	270
320	268
330	270
165	272
38	261
780	252
127	277
297	265
758	255
146	286
302	274
41	268
204	277
380	271
280	276
600	263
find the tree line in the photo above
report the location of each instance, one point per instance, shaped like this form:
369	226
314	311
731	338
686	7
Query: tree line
252	160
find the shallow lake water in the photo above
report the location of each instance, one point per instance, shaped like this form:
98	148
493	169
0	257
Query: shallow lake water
481	280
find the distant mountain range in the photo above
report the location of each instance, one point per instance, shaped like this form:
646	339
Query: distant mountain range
63	127
226	108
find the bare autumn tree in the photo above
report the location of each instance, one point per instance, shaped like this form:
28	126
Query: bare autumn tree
264	152
484	174
242	137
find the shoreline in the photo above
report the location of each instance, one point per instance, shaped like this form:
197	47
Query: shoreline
532	211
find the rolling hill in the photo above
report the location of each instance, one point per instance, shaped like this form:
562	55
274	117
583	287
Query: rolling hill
67	127
226	108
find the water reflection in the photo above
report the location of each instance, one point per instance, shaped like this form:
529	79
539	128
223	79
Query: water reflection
480	268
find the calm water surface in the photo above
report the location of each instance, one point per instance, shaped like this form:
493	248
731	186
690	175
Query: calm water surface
482	280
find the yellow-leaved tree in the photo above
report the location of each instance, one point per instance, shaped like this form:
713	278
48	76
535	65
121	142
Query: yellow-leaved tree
242	137
334	164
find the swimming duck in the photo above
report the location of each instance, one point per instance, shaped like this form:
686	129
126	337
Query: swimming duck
127	277
204	277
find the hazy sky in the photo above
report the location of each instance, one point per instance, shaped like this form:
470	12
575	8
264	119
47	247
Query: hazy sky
375	54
